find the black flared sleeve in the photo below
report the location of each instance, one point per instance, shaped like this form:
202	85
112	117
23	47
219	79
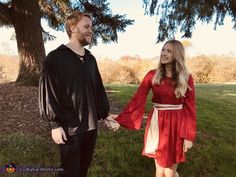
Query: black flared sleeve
103	106
49	106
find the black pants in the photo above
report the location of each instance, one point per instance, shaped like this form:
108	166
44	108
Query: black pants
76	154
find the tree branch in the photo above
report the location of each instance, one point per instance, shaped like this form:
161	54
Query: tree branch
5	16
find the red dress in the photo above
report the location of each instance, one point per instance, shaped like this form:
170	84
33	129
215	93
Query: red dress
174	125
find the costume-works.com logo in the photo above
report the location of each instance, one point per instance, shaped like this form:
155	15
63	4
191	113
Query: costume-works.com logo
10	168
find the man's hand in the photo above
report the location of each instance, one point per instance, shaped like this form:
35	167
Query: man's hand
111	123
187	145
58	135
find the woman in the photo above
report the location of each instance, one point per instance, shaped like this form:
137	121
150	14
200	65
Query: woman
171	124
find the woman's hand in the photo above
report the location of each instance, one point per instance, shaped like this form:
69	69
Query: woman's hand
187	145
111	123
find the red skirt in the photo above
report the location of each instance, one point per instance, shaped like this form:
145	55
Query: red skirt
170	146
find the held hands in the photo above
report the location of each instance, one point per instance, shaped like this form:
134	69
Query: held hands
187	145
111	123
58	135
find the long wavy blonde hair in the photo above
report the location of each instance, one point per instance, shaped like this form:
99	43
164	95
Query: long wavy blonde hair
180	73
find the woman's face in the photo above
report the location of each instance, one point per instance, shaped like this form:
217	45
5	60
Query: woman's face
167	54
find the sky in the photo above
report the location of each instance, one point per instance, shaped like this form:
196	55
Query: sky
140	38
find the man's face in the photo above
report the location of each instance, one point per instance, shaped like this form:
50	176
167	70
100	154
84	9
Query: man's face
83	31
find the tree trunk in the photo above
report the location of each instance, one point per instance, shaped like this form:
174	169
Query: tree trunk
30	45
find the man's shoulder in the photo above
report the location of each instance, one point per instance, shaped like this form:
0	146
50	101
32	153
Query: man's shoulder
56	53
89	53
90	56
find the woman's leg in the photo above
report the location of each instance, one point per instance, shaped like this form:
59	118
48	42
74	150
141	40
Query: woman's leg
171	171
160	171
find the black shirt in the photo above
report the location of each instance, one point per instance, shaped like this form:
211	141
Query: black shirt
71	92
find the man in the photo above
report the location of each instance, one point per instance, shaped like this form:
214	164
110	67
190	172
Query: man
72	97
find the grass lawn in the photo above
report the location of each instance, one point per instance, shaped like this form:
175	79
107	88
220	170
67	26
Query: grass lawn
119	154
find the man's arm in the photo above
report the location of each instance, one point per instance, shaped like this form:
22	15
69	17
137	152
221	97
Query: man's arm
49	106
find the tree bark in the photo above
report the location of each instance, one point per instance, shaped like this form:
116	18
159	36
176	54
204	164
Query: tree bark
26	21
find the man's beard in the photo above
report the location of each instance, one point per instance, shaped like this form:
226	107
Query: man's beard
83	41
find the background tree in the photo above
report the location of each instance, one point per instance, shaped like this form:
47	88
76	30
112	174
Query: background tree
183	14
25	16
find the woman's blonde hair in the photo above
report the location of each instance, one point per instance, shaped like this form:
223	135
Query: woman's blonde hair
180	73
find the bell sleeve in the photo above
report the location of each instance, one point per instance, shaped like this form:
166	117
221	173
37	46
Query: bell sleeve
49	107
103	106
132	115
188	129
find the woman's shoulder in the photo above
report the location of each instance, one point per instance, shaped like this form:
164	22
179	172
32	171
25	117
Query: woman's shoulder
151	72
190	79
149	75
